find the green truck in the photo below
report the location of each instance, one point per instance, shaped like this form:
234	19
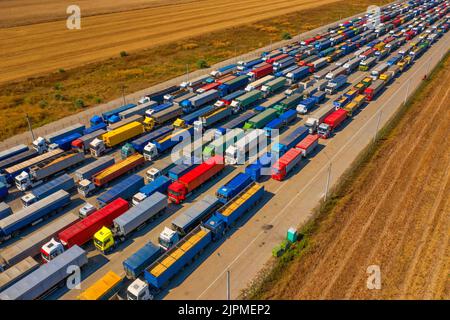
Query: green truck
261	119
273	86
246	100
290	102
219	145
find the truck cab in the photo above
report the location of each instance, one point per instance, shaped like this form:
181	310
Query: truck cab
28	199
85	187
177	192
127	150
150	151
51	250
139	290
152	174
40	145
104	240
23	181
323	130
167	238
86	210
138	198
97	147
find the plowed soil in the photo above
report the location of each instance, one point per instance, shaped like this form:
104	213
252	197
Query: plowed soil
396	216
45	47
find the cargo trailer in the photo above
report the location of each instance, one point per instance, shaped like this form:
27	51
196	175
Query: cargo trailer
230	189
17	272
135	265
215	115
374	89
125	189
102	289
286	163
161	145
308	144
5	210
140	143
236	122
160	184
64	182
289	141
138	110
6	154
235	154
221	143
83	143
261	119
256	169
93	168
331	122
18	158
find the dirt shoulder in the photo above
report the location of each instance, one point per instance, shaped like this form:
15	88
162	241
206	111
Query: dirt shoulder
394	213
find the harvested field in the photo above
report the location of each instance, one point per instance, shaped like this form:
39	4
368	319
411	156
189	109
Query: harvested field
395	214
45	47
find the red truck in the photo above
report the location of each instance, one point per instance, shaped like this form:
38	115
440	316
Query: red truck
307	145
261	72
372	91
286	163
277	58
331	122
82	231
180	189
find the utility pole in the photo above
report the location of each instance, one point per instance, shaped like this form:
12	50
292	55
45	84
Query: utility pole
328	182
378	126
407	91
123	95
228	285
29	126
187	73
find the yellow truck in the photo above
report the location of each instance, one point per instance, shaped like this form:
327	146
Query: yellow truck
355	104
103	289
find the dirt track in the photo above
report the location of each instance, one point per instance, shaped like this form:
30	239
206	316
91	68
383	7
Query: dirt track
396	216
45	47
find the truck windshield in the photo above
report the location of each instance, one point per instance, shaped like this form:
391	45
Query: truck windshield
99	243
131	296
164	243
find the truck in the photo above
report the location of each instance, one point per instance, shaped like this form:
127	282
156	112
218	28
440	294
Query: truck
298	74
179	190
286	163
230	189
30	245
199	100
157	147
102	289
41	171
331	122
64	182
322	73
280	148
246	100
113	115
260	72
233	85
215	115
103	177
226	100
161	271
224	70
17	272
308	144
275	124
188	220
48	276
365	65
116	137
192	117
107	239
140	143
234	123
95	127
355	104
291	102
125	189
221	142
12	225
256	85
256	168
261	119
336	73
163	116
82	144
135	265
5	154
283	63
5	210
379	70
158	108
248	144
318	116
374	89
92	168
10	173
18	158
158	96
121	123
160	184
41	143
273	86
306	105
137	110
334	85
82	231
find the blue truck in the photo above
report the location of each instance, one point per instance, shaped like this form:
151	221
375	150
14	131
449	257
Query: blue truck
283	120
53	137
193	116
3	191
200	211
13	224
140	143
5	210
124	189
115	112
64	182
224	70
334	85
288	116
233	85
141	259
157	147
65	142
160	184
288	142
298	74
13	151
230	189
274	124
158	108
97	125
234	123
255	169
199	100
18	158
308	104
159	273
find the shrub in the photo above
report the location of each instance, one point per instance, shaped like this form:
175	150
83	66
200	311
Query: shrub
286	36
123	54
61	70
79	103
43	103
202	64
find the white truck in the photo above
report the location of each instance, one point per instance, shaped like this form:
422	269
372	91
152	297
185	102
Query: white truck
235	154
318	116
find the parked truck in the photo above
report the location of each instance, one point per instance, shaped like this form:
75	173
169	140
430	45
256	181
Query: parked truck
221	142
192	117
30	245
256	169
308	144
331	122
137	110
246	100
261	119
41	144
179	190
334	85
93	168
289	141
125	189
82	144
43	170
107	239
316	118
135	265
86	187
235	154
169	264
374	89
64	182
36	284
12	225
273	86
160	184
233	85
140	143
82	231
102	289
16	159
215	115
234	123
260	72
286	163
199	100
159	146
188	220
13	151
17	272
230	189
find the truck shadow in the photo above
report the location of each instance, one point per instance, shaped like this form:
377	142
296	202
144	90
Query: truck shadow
212	247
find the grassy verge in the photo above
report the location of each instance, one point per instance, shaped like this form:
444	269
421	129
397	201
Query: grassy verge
65	92
273	272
